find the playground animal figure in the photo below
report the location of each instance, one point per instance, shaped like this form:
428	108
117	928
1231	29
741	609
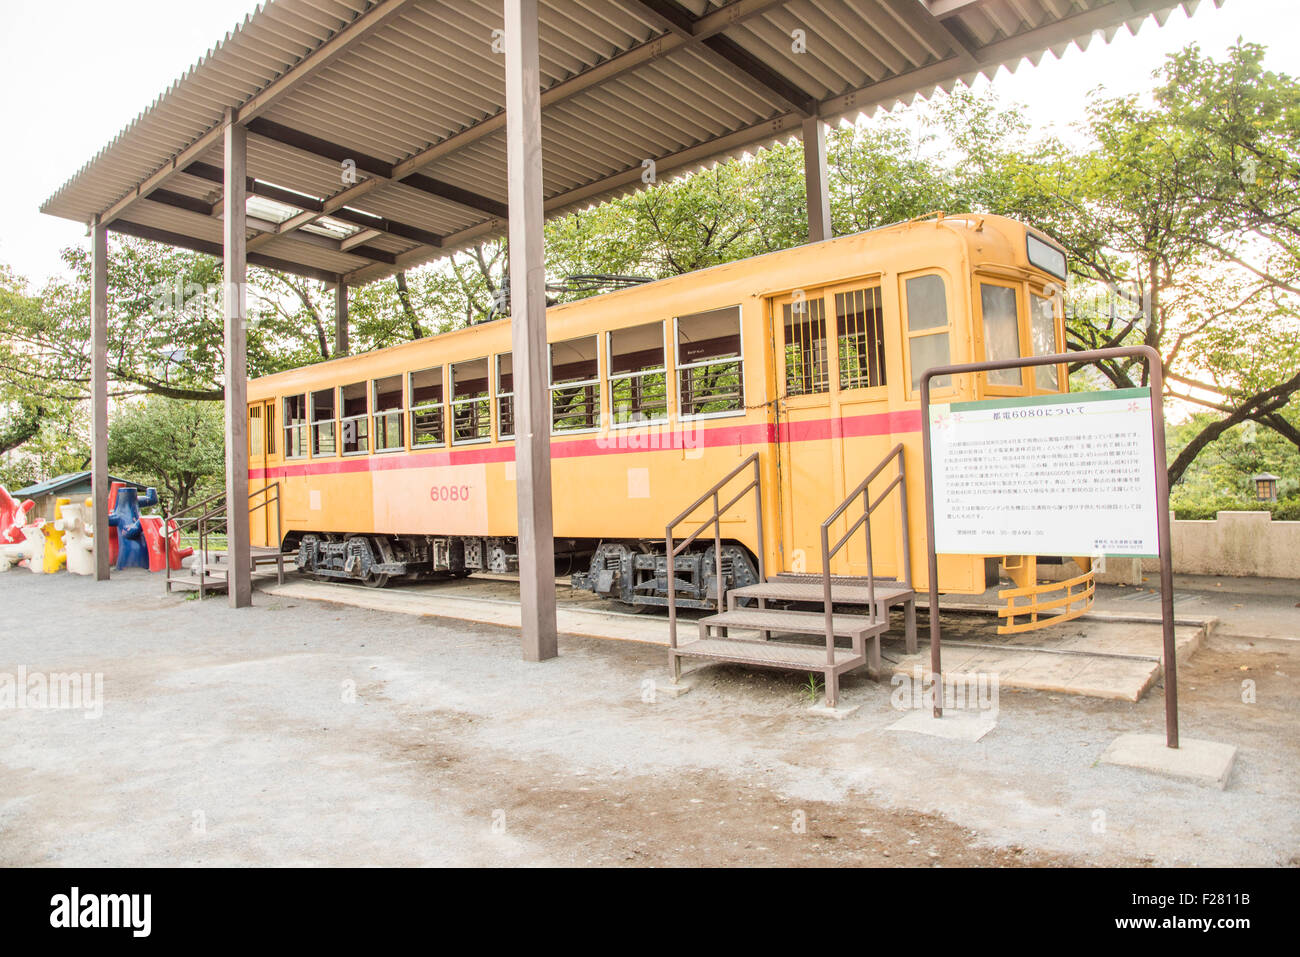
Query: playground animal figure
13	517
54	557
76	523
132	548
164	550
32	550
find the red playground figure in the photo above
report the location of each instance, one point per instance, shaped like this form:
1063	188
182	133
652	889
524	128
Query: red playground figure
125	517
151	526
112	531
13	516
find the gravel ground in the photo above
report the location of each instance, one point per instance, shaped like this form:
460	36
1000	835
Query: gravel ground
306	733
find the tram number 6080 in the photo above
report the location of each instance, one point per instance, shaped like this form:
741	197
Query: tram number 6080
449	493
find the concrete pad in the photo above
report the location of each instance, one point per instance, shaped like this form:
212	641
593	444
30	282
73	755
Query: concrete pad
1112	660
954	725
673	690
587	622
839	712
1203	762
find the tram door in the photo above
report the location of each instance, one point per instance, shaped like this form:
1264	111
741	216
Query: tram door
264	518
832	414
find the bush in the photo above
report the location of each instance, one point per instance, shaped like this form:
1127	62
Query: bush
1205	508
1287	510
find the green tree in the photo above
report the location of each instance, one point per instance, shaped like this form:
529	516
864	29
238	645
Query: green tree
1181	226
175	445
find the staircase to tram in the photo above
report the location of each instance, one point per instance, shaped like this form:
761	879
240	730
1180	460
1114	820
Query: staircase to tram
769	624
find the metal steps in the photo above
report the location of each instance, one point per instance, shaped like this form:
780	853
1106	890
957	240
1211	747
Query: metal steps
795	622
192	583
770	654
879	595
717	642
859	629
853	592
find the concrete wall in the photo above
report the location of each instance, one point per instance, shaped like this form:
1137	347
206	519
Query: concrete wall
1238	544
1235	543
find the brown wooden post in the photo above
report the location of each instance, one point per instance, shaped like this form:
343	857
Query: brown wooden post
341	344
816	184
238	554
528	332
99	392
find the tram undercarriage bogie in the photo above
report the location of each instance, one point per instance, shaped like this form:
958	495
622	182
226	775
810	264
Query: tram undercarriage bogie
636	574
377	560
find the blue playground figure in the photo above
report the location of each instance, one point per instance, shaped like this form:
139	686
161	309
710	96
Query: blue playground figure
132	551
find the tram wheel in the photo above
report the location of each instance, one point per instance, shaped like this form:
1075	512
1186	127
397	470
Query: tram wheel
630	609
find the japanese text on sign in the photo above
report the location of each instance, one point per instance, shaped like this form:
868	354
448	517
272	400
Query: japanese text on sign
1070	474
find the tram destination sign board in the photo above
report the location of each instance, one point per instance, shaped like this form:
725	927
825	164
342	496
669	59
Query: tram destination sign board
1069	474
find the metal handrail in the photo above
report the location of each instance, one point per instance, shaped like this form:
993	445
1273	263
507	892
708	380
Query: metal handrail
755	485
190	508
869	505
201	522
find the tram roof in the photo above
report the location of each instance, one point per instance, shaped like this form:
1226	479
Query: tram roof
412	95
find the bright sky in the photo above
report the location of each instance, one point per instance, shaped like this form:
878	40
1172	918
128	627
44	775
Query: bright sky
73	73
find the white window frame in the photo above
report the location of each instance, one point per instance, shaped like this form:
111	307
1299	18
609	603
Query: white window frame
497	395
304	443
905	313
553	388
343	420
312	422
455	403
611	377
400	412
413	408
678	367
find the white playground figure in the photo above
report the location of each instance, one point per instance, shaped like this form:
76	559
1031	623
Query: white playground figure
33	549
78	538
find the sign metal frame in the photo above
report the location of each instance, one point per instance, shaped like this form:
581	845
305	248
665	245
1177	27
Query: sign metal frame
1155	381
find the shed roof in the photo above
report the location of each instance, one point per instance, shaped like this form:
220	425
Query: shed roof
377	129
60	482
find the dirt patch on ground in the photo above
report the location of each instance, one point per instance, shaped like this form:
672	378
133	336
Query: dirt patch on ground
701	818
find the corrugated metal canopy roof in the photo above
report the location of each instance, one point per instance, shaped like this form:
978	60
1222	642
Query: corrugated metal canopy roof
412	93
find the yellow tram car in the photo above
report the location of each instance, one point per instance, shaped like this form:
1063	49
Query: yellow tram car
399	463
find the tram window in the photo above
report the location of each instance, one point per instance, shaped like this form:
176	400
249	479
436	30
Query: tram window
710	369
927	328
638	377
861	323
575	385
471	402
322	423
1042	330
356	419
426	408
505	396
295	426
255	430
1000	306
388	414
270	428
805	346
